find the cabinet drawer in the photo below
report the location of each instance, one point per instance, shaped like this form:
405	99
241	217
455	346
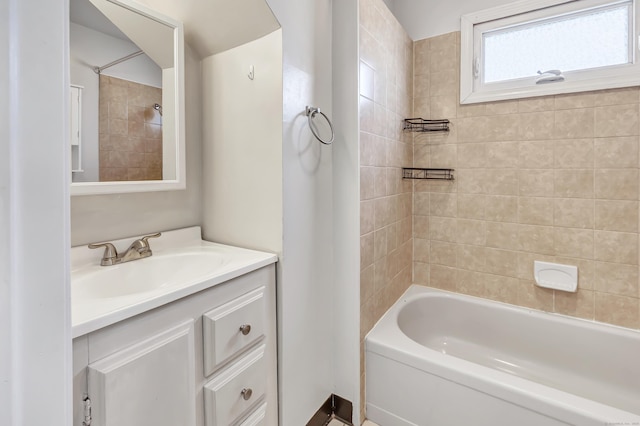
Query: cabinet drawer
232	327
257	418
236	389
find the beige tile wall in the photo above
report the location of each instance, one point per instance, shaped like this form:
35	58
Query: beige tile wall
130	131
386	58
552	178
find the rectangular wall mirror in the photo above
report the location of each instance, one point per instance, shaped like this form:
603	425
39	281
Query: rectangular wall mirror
126	98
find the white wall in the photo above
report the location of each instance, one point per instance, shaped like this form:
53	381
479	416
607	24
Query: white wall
6	406
35	338
428	18
391	4
91	48
305	291
84	56
213	26
155	38
169	99
107	217
346	204
242	145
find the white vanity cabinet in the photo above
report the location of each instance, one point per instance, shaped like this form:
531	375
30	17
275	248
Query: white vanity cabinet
208	359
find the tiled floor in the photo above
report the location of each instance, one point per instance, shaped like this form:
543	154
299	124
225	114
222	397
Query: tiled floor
336	422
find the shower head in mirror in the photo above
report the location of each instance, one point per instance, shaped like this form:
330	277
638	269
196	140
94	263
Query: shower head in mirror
158	108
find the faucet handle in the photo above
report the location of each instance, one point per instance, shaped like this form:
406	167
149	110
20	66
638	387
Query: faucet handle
143	243
145	239
110	255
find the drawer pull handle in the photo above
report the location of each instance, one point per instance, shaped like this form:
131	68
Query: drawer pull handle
245	329
246	393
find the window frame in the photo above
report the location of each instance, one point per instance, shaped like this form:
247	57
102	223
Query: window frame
518	13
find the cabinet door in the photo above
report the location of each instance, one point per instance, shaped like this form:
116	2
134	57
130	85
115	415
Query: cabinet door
149	383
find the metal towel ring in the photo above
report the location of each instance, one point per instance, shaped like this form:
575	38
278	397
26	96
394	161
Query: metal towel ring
311	112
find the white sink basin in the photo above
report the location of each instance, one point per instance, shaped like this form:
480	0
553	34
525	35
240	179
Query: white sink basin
181	264
154	273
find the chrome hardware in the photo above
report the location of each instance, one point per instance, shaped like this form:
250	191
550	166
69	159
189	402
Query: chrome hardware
245	329
246	393
98	70
419	124
86	411
139	249
110	256
311	112
415	173
550	76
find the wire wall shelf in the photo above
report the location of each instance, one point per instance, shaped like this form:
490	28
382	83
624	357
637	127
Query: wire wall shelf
422	125
431	174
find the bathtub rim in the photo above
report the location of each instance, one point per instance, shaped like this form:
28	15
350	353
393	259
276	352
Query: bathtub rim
387	340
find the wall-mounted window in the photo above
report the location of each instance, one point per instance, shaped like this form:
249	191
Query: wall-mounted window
544	47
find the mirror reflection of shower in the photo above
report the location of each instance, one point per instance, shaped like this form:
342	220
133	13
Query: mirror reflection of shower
119	124
130	128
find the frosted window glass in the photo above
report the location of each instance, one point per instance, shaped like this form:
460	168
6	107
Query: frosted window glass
591	39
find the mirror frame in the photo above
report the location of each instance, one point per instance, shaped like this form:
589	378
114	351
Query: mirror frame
120	187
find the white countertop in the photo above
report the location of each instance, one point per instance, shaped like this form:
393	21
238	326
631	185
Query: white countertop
93	308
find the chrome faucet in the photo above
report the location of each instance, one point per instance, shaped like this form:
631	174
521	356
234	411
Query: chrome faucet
139	249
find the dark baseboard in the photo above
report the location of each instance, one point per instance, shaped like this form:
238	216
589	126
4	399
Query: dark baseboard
342	409
322	416
334	407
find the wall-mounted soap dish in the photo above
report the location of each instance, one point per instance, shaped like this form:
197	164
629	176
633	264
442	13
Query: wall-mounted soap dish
556	276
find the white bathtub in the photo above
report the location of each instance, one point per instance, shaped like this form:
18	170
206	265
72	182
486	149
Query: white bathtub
439	358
